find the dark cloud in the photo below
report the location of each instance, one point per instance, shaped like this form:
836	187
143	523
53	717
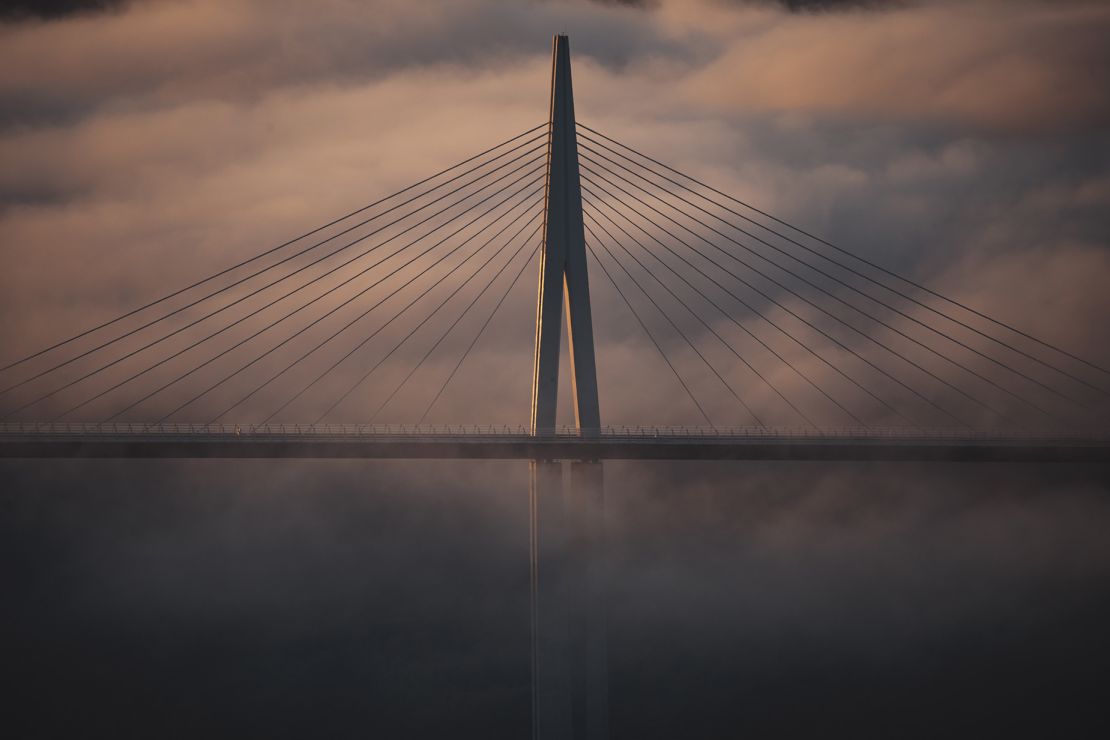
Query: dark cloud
629	3
15	10
249	49
815	6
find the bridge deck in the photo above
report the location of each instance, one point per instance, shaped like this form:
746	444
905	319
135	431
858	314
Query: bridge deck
507	443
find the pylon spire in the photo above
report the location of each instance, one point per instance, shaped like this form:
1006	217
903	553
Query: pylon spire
563	269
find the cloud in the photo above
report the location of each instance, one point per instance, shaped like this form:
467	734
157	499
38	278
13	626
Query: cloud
1037	70
178	138
20	10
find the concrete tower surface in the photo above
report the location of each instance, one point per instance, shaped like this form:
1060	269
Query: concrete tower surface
563	269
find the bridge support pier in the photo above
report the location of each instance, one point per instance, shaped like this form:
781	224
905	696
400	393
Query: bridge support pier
551	586
570	697
589	665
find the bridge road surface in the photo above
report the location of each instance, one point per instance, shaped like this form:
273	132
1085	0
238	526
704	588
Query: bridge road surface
506	443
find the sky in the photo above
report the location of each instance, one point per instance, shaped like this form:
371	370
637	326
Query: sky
963	145
147	144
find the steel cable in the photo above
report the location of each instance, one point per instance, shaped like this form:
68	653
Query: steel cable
442	336
840	320
478	336
427	318
288	315
183	328
867	262
643	326
763	316
674	325
837	298
259	256
256	274
353	321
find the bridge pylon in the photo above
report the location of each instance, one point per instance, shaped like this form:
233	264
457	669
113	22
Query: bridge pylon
569	666
563	276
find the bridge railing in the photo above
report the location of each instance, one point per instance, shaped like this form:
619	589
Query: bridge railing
456	431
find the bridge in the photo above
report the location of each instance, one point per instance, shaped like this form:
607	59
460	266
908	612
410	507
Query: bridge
782	346
495	442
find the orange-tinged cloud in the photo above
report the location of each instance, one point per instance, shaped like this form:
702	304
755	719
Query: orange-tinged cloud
1013	66
150	147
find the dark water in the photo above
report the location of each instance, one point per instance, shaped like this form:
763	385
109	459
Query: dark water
261	599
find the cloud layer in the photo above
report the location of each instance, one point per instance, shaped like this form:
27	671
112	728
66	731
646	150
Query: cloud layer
960	143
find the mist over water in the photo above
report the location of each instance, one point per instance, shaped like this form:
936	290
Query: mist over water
391	598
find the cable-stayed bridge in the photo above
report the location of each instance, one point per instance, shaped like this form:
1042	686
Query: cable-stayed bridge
349	339
750	321
749	318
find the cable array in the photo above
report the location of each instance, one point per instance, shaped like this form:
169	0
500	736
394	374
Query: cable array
757	321
307	310
832	336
